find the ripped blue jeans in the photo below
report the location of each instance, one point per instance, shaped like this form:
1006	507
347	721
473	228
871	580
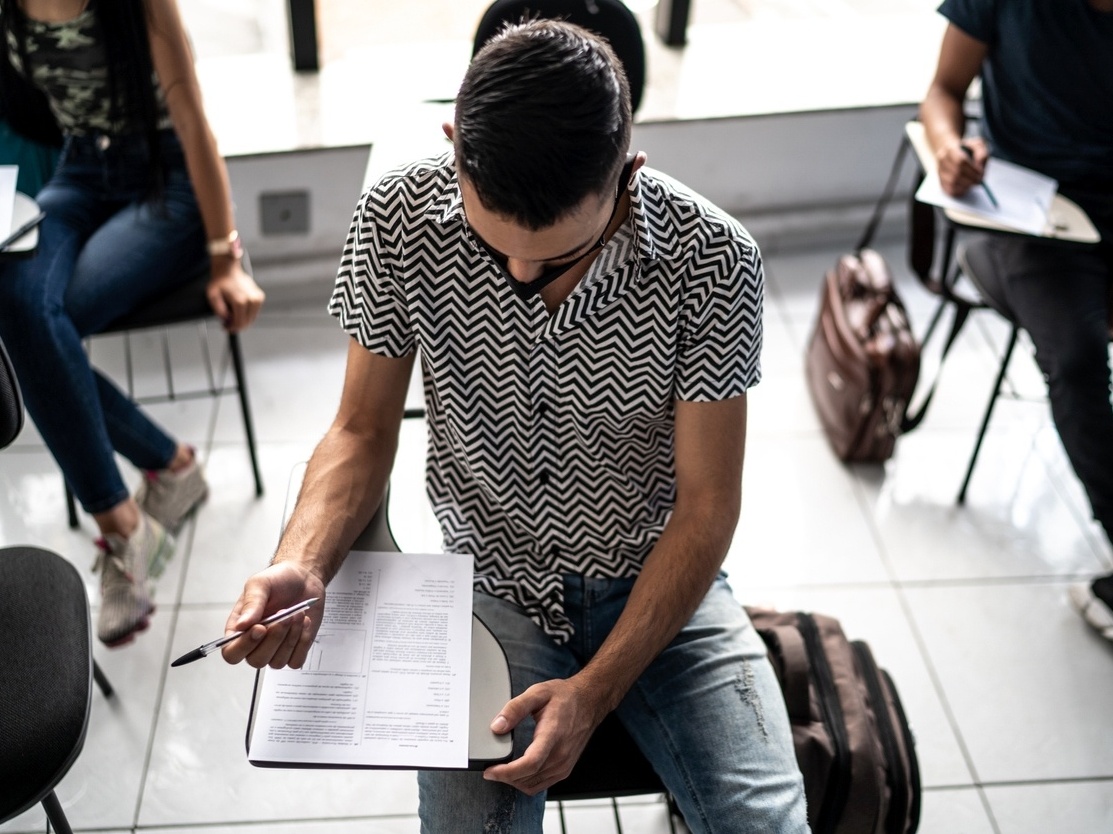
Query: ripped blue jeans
707	713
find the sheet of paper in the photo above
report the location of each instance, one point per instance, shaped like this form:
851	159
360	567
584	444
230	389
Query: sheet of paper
8	175
1023	196
387	682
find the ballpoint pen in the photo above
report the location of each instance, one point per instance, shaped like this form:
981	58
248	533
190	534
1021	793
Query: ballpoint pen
970	155
276	617
22	230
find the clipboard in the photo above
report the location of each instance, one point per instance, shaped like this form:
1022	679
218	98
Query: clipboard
490	690
490	671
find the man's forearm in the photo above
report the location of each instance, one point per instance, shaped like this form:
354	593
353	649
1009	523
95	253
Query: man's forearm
675	579
344	483
943	118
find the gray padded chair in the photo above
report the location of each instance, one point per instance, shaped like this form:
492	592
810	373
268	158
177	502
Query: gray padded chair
47	657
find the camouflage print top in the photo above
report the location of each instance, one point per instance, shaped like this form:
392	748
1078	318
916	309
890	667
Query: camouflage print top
67	63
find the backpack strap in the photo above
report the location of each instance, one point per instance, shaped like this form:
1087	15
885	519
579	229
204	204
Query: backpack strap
790	659
886	196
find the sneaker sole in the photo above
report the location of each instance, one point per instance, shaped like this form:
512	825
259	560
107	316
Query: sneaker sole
1095	612
141	625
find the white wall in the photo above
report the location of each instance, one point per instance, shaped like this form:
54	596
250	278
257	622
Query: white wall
794	179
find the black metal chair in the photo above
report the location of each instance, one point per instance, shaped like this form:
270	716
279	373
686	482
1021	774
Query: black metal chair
609	18
610	767
949	256
188	303
973	259
945	255
46	687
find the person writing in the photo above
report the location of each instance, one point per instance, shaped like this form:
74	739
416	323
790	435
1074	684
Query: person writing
588	330
140	204
1046	69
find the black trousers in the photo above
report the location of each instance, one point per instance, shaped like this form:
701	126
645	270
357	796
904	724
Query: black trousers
1060	294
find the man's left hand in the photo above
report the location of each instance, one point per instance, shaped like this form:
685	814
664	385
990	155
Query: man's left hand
566	716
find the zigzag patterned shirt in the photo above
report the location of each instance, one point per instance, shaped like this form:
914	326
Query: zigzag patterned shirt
550	437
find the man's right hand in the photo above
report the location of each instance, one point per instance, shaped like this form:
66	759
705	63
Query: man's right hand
962	165
283	644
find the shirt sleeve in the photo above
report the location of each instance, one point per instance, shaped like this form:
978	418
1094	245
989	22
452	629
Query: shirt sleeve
368	299
977	18
720	351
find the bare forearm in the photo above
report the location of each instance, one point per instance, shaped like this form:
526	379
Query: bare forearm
209	176
942	116
343	486
675	579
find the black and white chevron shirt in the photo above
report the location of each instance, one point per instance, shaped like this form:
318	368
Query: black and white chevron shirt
550	445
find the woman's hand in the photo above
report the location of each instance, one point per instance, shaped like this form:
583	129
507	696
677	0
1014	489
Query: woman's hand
234	296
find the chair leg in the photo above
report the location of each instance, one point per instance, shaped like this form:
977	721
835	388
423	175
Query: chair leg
673	812
617	819
102	681
935	317
560	810
988	412
55	814
245	407
71	507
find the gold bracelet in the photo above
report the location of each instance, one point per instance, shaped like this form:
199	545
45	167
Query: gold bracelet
230	245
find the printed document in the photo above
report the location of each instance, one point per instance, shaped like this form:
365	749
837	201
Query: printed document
387	681
1023	196
8	175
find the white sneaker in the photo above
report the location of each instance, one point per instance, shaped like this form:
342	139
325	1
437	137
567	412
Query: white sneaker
168	496
124	566
1092	609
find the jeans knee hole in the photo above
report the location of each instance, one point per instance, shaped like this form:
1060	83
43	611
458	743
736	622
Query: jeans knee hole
744	683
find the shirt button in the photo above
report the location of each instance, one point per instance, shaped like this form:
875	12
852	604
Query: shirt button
543	478
542	409
556	552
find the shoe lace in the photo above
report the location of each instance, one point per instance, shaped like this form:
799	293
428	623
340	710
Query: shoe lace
110	566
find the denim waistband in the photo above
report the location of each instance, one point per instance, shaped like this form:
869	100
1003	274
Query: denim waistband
105	145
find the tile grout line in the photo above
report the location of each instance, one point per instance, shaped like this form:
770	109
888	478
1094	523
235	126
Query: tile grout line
165	668
921	645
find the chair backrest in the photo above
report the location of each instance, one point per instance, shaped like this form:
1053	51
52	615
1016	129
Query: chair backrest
611	19
11	404
46	686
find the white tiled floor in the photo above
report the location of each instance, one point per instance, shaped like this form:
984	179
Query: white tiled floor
1007	690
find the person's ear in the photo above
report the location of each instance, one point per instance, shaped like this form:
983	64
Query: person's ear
448	130
639	160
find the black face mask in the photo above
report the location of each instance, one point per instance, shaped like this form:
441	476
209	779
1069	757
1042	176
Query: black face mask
528	289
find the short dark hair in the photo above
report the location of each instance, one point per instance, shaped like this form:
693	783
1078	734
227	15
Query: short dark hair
542	120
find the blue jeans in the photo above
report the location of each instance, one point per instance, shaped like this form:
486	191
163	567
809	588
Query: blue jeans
102	251
708	714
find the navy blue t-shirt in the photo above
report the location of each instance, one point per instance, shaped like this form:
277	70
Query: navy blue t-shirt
1047	85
